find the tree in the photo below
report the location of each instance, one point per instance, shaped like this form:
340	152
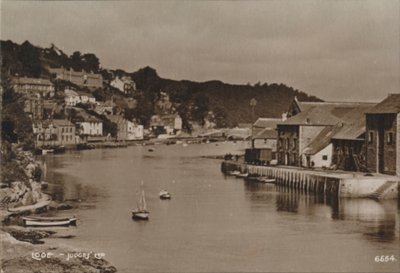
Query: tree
76	60
15	124
90	62
200	107
29	56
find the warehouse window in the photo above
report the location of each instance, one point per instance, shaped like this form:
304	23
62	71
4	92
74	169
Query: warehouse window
370	137
324	157
390	138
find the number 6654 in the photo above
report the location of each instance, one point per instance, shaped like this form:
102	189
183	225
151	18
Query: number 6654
384	259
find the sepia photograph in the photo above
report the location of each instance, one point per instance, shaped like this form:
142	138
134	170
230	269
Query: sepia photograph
174	136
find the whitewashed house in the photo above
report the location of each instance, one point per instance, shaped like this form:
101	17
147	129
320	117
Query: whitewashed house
91	127
124	84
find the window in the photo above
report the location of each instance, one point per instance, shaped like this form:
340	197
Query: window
370	137
390	138
324	157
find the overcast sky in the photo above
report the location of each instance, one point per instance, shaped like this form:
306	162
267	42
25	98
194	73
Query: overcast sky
336	50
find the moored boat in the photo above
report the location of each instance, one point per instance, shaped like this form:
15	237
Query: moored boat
266	180
234	173
35	221
242	175
141	212
164	195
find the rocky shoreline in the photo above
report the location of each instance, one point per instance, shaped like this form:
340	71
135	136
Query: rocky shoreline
23	249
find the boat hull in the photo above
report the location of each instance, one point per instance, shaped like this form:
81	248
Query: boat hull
140	215
165	197
37	222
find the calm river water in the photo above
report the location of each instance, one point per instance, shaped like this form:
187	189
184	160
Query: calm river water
214	223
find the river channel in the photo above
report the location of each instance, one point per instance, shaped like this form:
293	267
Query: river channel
214	223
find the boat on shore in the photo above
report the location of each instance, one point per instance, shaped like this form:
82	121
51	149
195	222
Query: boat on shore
266	180
141	212
36	221
260	179
234	173
242	175
165	195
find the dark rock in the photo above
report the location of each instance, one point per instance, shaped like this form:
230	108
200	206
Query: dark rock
64	206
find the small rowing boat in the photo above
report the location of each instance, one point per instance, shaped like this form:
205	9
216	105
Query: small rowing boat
48	221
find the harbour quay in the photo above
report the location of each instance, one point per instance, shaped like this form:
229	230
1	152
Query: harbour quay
330	183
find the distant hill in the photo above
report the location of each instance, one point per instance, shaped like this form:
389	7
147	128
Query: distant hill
224	104
230	102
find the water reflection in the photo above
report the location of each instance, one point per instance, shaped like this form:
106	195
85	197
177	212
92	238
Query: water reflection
377	220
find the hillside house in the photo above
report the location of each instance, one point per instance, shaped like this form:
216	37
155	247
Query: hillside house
90	126
166	124
105	108
124	84
383	136
80	78
56	132
33	86
73	97
127	130
33	106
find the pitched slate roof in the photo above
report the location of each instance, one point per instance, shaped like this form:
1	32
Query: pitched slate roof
353	125
389	105
62	122
266	133
36	81
323	113
266	122
321	140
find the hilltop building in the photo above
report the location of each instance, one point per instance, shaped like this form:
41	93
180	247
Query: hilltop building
33	86
124	84
72	97
80	78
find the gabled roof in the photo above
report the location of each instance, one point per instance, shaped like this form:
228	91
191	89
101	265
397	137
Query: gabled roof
266	122
323	113
62	122
321	140
266	133
36	81
390	105
353	125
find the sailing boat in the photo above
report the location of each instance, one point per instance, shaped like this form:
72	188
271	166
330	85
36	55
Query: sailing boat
141	213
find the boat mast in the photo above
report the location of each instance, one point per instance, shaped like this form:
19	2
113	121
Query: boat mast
143	201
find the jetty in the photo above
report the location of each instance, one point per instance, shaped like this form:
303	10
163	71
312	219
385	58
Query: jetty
326	182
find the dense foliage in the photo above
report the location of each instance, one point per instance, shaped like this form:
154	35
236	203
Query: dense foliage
228	104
